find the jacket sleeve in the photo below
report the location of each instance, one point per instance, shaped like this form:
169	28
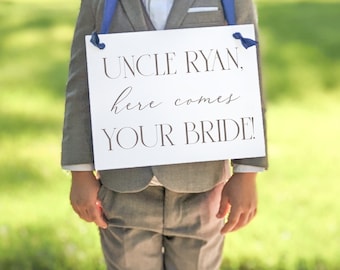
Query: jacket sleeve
77	138
245	14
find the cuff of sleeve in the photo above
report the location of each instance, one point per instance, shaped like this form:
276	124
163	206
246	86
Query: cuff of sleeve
79	167
239	168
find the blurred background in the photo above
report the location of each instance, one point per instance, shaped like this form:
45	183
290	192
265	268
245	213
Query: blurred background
298	221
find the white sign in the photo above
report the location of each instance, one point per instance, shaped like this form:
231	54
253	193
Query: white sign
174	96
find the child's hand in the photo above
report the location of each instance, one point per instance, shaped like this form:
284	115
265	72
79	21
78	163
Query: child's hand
84	200
239	196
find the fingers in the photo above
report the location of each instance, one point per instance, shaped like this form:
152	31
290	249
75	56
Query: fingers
100	218
91	213
224	207
238	219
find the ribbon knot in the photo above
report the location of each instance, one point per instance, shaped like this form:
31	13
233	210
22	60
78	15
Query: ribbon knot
95	41
246	42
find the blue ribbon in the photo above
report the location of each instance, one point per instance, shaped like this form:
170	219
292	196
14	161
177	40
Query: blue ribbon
110	7
229	14
109	10
246	42
96	42
229	11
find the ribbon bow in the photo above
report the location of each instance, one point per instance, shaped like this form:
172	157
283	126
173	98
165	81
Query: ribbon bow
246	42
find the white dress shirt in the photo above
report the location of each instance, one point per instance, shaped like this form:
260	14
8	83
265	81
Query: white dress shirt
159	11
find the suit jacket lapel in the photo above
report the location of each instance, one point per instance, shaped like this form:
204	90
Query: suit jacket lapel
136	13
178	12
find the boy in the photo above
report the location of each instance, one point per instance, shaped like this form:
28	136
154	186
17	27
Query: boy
157	217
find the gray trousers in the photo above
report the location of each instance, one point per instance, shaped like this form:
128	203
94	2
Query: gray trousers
157	229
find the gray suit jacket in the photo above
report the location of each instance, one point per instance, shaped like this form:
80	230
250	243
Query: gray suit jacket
131	16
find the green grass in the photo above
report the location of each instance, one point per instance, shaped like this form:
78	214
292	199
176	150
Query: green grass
298	225
300	44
